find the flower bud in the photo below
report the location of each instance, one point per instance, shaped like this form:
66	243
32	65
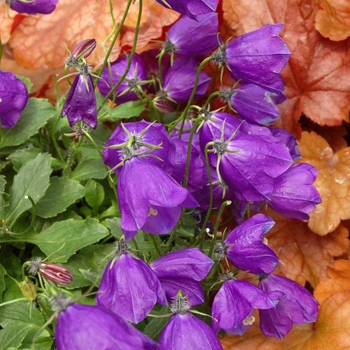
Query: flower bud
28	289
84	48
52	272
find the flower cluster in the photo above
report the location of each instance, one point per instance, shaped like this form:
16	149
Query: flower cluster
174	167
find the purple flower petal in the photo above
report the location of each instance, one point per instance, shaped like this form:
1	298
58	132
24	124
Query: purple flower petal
188	332
234	302
194	38
80	104
298	306
81	327
13	97
293	195
149	198
258	57
255	104
33	7
289	140
248	252
191	8
179	80
130	289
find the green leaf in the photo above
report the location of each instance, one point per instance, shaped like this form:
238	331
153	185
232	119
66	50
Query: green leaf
34	116
124	111
13	335
61	193
32	180
94	194
64	238
89	168
23	156
26	82
2	282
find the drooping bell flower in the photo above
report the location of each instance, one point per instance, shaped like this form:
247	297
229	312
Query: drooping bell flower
188	37
289	140
293	195
190	8
234	303
129	287
33	7
185	331
256	57
245	248
50	271
13	99
128	87
255	104
196	170
149	198
183	270
80	104
142	138
81	327
297	305
179	80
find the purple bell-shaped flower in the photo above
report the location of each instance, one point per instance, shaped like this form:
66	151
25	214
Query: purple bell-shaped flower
129	287
33	7
81	327
295	305
13	97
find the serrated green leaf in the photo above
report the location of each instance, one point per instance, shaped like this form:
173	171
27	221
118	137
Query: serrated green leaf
124	111
94	194
34	116
89	168
23	156
61	193
65	238
32	180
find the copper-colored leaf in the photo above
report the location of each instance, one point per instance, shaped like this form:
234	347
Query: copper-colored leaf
6	23
333	20
339	279
303	254
333	182
316	76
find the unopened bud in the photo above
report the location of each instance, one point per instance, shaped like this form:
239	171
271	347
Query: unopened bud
28	289
52	272
84	48
165	106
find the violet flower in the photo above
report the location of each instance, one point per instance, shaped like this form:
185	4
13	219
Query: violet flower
185	331
245	248
289	140
141	139
293	195
296	306
149	199
13	99
188	37
81	327
256	57
183	270
179	81
129	287
33	7
234	303
190	8
80	104
128	88
196	166
255	104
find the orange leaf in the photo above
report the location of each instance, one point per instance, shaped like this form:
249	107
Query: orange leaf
304	255
333	182
316	76
339	279
38	41
333	20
